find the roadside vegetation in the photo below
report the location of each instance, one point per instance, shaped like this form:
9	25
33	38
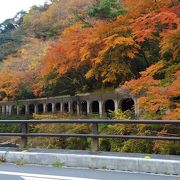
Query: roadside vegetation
79	46
114	145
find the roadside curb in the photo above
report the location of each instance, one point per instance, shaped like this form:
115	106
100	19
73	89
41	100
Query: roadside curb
134	164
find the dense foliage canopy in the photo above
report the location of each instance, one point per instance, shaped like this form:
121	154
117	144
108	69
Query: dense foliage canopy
76	46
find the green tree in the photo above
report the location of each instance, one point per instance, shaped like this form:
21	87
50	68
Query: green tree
106	9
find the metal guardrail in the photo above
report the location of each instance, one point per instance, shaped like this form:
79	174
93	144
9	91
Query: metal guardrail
95	134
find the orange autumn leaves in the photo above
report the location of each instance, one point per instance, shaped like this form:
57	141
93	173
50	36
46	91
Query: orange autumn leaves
21	67
153	96
104	43
108	52
150	26
171	43
67	53
10	83
110	43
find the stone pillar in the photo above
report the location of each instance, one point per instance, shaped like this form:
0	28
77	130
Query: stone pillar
116	104
7	110
53	107
18	111
27	109
78	108
10	110
88	107
100	108
35	109
44	108
3	110
69	107
136	108
61	107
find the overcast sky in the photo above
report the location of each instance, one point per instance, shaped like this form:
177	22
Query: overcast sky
8	8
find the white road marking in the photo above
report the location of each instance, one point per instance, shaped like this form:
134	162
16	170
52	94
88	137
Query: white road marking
33	178
28	176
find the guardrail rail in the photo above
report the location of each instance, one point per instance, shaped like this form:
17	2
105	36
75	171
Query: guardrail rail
95	133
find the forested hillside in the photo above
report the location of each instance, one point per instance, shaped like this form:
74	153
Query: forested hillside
78	46
10	35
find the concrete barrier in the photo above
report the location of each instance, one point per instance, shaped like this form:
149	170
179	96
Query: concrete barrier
134	164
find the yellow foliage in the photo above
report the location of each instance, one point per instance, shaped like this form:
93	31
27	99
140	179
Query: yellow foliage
171	43
150	71
173	114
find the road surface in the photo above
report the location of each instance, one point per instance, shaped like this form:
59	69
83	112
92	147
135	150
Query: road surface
27	172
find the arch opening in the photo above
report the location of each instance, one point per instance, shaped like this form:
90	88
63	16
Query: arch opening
127	104
49	107
84	107
5	110
22	110
74	107
14	110
109	105
40	108
95	107
58	106
66	107
31	108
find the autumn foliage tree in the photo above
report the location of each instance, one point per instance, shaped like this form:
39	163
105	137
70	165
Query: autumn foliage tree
155	97
134	40
20	69
50	20
80	46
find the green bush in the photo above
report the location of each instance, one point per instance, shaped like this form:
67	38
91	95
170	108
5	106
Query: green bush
168	147
137	146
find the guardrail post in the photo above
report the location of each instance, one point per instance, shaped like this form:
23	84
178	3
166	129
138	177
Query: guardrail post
24	130
95	140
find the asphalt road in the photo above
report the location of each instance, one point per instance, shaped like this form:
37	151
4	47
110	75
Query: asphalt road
27	172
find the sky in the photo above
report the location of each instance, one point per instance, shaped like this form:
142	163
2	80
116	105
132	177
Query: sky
9	8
